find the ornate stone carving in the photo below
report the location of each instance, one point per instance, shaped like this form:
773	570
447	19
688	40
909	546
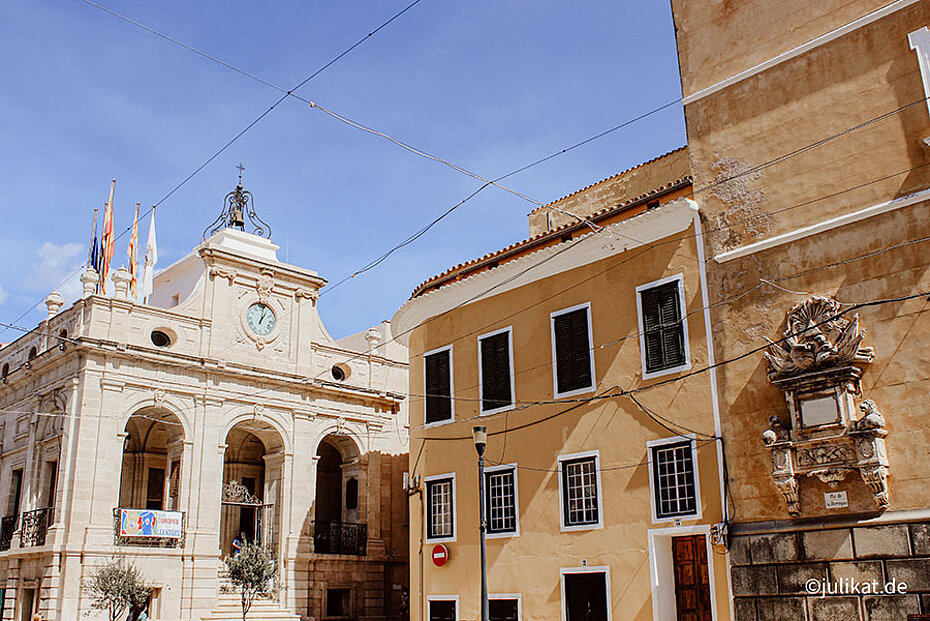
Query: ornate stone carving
310	294
160	395
817	337
223	272
818	364
264	285
258	410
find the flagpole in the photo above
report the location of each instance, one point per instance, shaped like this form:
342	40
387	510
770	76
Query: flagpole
132	251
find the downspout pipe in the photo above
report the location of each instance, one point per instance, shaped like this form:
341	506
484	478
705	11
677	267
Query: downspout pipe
714	394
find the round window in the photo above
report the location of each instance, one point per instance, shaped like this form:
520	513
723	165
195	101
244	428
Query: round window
160	339
339	373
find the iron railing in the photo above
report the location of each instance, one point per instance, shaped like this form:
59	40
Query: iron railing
340	538
35	526
7	528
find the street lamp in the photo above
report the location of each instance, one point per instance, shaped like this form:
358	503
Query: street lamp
480	434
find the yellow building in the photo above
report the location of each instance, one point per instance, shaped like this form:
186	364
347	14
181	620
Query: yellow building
581	349
808	128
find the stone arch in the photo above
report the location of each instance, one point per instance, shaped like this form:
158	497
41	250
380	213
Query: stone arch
253	481
266	422
153	448
161	402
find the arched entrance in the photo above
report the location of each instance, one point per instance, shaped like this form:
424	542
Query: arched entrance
338	526
253	468
152	453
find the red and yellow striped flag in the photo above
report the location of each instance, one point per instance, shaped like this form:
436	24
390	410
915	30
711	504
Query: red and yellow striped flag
107	241
133	251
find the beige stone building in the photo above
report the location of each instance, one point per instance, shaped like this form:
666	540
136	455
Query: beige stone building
160	432
808	131
601	501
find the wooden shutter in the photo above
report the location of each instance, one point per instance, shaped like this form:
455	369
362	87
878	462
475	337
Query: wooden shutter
438	387
663	327
495	371
572	351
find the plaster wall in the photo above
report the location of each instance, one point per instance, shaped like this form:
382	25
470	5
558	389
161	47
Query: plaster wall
533	438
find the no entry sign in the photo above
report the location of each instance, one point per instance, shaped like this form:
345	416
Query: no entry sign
440	555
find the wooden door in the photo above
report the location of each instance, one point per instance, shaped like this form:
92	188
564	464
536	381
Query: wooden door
692	584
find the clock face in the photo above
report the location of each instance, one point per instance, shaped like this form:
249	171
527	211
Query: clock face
260	319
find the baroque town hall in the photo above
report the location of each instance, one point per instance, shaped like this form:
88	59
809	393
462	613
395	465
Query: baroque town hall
160	432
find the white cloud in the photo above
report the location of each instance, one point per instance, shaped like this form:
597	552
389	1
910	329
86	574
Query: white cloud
58	269
3	295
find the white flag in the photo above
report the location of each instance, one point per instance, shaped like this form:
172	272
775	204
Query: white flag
151	258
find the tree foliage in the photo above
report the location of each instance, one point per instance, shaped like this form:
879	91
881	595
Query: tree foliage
252	572
117	586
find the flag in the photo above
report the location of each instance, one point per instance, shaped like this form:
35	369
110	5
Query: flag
151	258
107	241
93	254
132	251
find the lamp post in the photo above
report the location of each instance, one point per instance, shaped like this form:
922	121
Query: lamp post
480	434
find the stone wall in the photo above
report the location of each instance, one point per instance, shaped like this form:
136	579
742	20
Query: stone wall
773	573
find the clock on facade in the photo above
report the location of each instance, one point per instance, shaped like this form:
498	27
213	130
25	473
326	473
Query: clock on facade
260	319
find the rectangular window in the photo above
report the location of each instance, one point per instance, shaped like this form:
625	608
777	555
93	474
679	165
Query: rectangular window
674	487
438	372
664	333
572	351
16	490
442	610
503	609
440	508
500	490
495	367
580	481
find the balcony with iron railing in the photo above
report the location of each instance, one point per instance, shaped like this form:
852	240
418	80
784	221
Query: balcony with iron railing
35	526
7	528
340	538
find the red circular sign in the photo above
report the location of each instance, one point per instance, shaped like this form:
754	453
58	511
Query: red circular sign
440	555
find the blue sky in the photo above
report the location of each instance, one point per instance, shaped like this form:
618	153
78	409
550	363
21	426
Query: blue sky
491	86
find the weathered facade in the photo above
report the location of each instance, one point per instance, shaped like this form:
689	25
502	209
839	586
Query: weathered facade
224	404
599	503
807	128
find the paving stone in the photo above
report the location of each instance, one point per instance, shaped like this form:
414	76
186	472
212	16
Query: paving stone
920	538
834	609
890	607
754	580
745	609
827	544
792	578
781	609
857	571
739	550
881	541
774	548
914	572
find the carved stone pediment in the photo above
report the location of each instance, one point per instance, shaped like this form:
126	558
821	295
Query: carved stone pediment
817	337
818	364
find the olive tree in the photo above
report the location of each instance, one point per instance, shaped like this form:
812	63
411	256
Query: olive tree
117	586
252	572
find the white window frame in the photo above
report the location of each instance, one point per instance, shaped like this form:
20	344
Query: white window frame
516	596
684	326
555	375
662	569
653	492
427	506
600	569
600	492
516	500
442	598
513	393
451	386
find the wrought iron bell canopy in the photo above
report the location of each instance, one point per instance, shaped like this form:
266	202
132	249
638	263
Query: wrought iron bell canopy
238	206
